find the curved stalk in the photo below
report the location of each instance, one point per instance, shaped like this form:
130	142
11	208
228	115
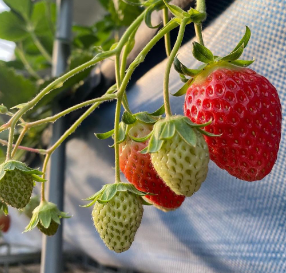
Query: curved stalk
41	47
167	35
201	7
169	65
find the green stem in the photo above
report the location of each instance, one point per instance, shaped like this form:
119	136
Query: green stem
199	35
57	116
116	137
10	142
69	110
41	47
27	65
141	56
73	127
169	65
19	140
28	149
59	81
201	7
167	35
44	170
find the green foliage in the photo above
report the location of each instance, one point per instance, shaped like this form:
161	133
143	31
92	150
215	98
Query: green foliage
13	28
122	14
15	89
31	25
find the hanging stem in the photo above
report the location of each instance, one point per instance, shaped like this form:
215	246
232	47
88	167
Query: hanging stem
41	47
201	7
44	170
27	65
199	34
28	149
167	35
116	137
169	65
54	118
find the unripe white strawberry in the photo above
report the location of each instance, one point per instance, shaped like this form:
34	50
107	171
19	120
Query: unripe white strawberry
118	220
181	166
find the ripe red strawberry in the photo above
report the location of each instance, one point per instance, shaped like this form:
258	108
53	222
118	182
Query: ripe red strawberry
246	110
139	170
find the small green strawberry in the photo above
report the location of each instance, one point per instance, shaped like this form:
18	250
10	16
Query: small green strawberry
47	218
179	154
117	214
17	182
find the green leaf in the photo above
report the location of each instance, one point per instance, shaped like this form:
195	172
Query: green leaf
105	135
186	132
155	143
242	63
189	122
244	39
109	193
128	118
182	91
122	132
202	53
168	131
85	41
190	72
122	14
13	28
159	111
14	88
177	11
96	194
141	139
45	218
208	133
144	202
131	188
145	117
177	65
22	7
43	19
234	55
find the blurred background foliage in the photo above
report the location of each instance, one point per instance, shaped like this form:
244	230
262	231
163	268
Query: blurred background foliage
31	25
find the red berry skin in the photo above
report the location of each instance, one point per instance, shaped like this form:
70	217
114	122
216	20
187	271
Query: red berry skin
5	221
139	170
246	110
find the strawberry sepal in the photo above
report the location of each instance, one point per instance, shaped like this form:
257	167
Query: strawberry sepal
108	192
44	215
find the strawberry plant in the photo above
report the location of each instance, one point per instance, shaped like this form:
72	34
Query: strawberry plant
233	116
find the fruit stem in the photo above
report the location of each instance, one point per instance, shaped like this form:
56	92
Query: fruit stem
169	65
201	7
59	115
32	150
199	35
167	35
59	81
44	170
41	47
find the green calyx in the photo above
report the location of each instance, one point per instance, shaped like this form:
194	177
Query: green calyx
165	129
11	165
3	208
108	192
209	60
129	119
44	214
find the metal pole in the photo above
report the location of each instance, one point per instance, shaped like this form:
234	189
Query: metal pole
52	258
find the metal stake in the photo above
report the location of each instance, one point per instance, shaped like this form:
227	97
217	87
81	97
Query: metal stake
52	258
